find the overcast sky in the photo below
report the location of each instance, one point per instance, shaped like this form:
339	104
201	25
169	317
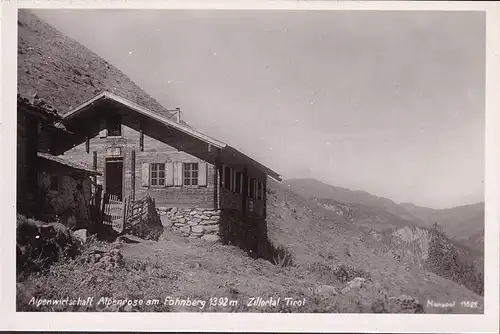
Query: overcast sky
387	102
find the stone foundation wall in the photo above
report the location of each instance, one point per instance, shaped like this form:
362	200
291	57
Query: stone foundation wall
227	227
193	223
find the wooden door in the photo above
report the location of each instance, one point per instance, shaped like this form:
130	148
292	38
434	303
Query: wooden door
114	177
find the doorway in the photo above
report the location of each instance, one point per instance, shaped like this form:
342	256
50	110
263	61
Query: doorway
114	176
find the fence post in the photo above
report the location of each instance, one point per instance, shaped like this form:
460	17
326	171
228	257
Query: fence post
97	205
105	200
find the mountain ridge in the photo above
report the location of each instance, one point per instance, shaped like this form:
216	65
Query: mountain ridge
65	73
463	223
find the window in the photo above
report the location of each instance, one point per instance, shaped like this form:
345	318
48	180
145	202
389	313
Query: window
252	188
238	182
190	174
227	178
157	174
54	182
259	191
114	126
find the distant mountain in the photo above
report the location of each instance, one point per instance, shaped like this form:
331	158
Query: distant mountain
314	188
464	223
65	73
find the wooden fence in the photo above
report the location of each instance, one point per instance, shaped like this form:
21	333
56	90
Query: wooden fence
115	211
137	217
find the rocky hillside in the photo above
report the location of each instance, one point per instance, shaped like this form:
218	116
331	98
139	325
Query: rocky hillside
65	73
315	188
464	224
398	257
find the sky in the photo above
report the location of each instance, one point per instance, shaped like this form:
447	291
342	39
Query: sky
388	102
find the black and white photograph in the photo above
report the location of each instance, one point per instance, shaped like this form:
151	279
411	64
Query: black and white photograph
201	160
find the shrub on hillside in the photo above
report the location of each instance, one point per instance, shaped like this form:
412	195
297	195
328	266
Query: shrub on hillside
342	273
445	260
38	245
99	271
280	255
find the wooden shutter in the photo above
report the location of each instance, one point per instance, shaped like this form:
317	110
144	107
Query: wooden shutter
233	180
177	174
202	174
223	178
145	174
241	183
249	183
103	133
169	174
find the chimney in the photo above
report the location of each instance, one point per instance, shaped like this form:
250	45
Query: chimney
178	114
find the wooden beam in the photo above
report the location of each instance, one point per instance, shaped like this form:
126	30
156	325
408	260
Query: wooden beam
87	144
216	186
245	192
94	160
133	176
141	139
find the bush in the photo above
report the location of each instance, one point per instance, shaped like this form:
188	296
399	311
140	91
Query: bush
445	260
107	276
281	256
38	245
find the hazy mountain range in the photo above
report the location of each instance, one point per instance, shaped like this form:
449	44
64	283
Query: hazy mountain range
462	223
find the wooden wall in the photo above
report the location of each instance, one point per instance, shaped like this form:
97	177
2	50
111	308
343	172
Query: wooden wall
240	200
154	151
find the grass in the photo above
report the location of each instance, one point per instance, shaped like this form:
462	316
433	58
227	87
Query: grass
323	254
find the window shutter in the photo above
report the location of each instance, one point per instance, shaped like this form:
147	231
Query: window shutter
169	174
145	174
103	133
223	178
241	183
177	174
249	183
202	174
233	180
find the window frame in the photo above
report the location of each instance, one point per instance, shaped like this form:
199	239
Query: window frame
116	121
190	177
157	178
227	177
237	182
54	186
252	189
259	188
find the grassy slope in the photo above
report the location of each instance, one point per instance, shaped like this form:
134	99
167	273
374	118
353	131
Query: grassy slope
65	73
315	188
320	241
338	242
464	223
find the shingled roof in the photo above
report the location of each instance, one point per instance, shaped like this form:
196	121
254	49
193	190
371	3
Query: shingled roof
67	163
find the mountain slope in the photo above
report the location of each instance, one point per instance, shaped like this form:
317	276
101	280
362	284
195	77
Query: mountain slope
63	72
337	267
315	188
464	223
321	240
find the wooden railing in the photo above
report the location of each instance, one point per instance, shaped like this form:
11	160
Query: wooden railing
114	211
